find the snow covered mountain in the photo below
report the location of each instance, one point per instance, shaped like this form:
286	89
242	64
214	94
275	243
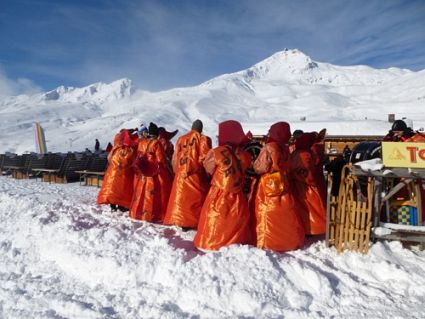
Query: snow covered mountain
289	86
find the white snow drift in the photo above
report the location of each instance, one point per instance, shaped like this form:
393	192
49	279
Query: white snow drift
62	256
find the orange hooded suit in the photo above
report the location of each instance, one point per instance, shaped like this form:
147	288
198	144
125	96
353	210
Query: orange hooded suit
224	218
190	185
277	222
308	191
153	185
117	186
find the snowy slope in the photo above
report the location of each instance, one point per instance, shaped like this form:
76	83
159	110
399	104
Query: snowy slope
286	86
62	256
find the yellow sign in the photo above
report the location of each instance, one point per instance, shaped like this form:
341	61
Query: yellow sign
400	154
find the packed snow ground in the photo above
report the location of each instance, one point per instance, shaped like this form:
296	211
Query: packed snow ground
63	256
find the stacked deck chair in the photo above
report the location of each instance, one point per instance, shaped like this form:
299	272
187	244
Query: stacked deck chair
93	175
74	162
14	164
53	164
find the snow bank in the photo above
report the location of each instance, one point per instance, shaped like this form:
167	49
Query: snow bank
62	256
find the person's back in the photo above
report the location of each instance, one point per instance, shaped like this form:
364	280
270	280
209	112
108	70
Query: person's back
117	186
225	216
185	206
153	182
278	225
230	166
310	193
190	152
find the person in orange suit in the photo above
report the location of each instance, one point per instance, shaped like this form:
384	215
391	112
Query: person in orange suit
165	140
117	186
154	180
190	185
320	159
307	189
277	222
293	138
399	132
224	218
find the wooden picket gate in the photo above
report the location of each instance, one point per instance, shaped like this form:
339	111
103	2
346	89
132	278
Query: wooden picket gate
350	213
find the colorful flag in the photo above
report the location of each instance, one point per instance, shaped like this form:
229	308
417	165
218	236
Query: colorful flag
40	140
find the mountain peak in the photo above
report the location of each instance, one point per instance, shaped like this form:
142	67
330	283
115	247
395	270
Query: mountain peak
282	62
97	92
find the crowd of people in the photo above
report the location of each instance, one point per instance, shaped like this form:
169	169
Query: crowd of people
194	186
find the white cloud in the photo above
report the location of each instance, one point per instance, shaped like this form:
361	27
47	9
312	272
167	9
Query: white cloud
9	87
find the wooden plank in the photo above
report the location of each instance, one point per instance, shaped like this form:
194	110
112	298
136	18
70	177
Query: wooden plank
362	227
368	225
353	138
94	181
402	237
346	214
356	238
341	211
347	223
90	173
343	206
59	179
414	173
351	218
328	210
46	170
332	219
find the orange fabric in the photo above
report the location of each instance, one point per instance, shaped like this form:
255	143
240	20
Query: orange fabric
280	133
418	137
231	132
319	157
117	186
190	185
277	221
117	139
151	193
168	147
224	218
308	193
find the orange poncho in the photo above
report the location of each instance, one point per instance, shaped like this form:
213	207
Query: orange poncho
277	221
117	186
308	191
190	185
224	218
153	185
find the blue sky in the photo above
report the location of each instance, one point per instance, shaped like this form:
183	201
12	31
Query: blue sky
173	43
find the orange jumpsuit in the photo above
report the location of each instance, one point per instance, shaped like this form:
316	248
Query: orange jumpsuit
152	189
277	221
318	155
167	146
117	186
190	185
224	218
308	191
